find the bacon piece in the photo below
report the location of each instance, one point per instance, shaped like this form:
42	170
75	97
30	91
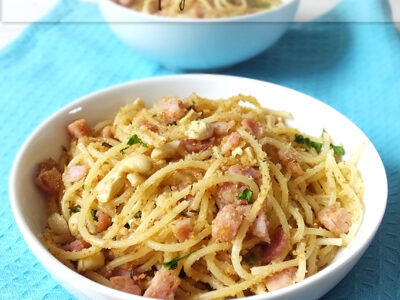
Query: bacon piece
76	245
163	285
226	224
281	279
259	228
48	177
79	128
233	140
227	192
76	173
107	132
222	128
182	229
253	127
335	218
148	125
118	271
171	110
290	161
103	221
245	171
126	284
278	244
197	145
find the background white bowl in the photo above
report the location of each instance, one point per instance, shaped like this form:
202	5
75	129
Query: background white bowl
310	116
190	44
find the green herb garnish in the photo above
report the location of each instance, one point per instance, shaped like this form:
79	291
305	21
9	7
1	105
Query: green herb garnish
251	259
76	209
172	124
300	139
83	187
262	5
136	140
245	195
122	151
94	214
171	265
138	215
338	150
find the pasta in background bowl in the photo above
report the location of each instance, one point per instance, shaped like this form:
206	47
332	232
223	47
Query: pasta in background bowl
31	214
199	44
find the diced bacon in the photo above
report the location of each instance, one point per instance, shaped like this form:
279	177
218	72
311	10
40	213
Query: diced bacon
48	177
226	193
107	132
259	228
148	125
222	128
245	171
197	145
126	284
253	127
227	222
79	128
76	173
171	110
281	279
278	244
231	142
182	229
118	271
163	285
290	161
76	245
335	218
103	221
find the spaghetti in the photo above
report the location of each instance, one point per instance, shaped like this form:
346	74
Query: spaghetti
199	8
199	199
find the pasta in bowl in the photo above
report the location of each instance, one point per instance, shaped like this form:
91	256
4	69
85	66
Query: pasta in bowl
199	9
218	199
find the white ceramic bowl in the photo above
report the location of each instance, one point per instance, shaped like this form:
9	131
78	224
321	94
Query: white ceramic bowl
310	116
190	44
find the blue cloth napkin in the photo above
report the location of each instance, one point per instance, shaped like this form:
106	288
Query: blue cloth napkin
351	66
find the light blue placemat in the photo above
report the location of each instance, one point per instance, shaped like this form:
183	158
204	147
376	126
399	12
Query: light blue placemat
352	67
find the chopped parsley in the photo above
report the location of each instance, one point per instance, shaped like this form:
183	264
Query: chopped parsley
76	209
245	195
83	187
300	139
263	5
338	150
251	259
172	124
94	215
122	151
171	265
138	215
134	139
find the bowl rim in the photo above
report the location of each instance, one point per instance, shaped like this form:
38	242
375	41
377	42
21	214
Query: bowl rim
47	259
158	18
